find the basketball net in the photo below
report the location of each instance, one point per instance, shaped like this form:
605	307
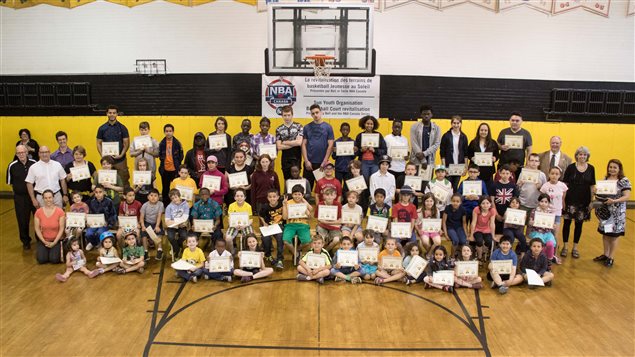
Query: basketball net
322	64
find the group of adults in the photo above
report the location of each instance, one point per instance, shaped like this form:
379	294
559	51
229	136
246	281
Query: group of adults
39	177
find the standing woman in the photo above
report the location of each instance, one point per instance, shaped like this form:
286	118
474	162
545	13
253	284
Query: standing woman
613	224
83	186
369	155
483	142
31	145
262	180
49	223
224	154
454	149
580	178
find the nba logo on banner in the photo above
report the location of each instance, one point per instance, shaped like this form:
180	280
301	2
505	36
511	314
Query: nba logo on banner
279	93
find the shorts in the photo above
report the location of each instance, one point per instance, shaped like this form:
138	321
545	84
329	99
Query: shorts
344	270
147	224
302	230
368	269
558	218
350	230
503	276
328	235
233	232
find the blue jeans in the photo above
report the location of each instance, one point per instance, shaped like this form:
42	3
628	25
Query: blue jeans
217	276
187	275
92	235
369	167
177	236
457	236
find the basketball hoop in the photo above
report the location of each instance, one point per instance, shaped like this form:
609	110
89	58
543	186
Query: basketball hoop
322	64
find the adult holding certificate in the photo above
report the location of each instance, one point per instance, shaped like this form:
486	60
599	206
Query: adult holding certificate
514	142
114	131
74	180
369	146
454	149
483	144
317	144
223	154
425	138
612	215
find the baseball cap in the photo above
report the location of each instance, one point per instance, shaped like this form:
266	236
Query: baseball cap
406	190
212	158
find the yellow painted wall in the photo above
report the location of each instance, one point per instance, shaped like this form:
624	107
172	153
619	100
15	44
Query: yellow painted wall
605	141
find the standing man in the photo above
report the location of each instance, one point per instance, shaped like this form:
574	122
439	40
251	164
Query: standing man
554	157
425	138
317	144
507	153
289	142
114	131
16	176
170	157
63	155
46	174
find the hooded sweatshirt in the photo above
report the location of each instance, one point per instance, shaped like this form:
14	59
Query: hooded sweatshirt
196	158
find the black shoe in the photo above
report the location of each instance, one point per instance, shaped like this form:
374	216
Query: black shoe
600	258
608	262
26	246
146	256
159	255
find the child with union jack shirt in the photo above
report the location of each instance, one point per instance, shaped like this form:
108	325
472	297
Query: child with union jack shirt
504	190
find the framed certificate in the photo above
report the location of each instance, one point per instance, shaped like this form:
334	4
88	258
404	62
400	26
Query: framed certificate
75	220
515	216
544	220
483	159
109	148
440	192
141	177
270	230
514	141
187	193
128	222
237	179
296	210
79	173
249	259
203	225
291	183
211	182
389	263
431	224
416	266
398	152
456	169
107	176
95	220
426	174
314	261
318	174
181	265
217	141
400	230
327	213
344	148
472	187
502	266
377	224
347	258
466	268
142	142
356	183
368	255
351	217
269	149
413	181
238	219
443	277
370	140
219	264
605	187
529	175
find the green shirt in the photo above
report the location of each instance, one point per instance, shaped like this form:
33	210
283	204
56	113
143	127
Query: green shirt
130	253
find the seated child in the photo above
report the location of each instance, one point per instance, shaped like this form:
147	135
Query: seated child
177	211
503	281
107	250
405	211
388	275
78	206
330	229
132	256
471	201
353	230
296	226
220	251
368	269
515	231
130	207
75	260
348	273
271	214
439	261
440	180
536	260
475	282
193	255
412	250
380	209
545	234
100	204
151	216
249	274
305	273
208	209
239	205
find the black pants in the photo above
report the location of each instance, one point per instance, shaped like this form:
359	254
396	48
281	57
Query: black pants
23	210
166	179
286	163
48	255
577	232
309	174
268	246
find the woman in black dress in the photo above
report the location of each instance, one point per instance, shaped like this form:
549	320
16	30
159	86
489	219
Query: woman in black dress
483	142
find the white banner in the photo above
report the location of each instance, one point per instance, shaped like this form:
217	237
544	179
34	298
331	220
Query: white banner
339	97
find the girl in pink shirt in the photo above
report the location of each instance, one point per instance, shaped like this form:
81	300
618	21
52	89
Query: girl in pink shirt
557	192
482	229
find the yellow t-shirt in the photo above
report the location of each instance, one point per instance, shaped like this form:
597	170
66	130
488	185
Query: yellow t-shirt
195	257
296	220
234	207
189	182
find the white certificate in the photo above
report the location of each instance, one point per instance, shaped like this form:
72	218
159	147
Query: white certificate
141	177
296	210
318	174
356	184
203	225
416	266
431	224
426	174
533	278
514	141
186	192
107	176
483	159
109	260
413	181
153	235
400	230
269	149
75	220
238	219
344	148
466	269
219	264
370	140
377	224
128	222
182	265
95	220
502	266
109	148
398	152
249	259
217	141
544	220
292	183
529	175
327	213
443	277
605	187
351	217
368	255
79	173
389	262
440	192
347	258
471	187
211	182
237	179
314	261
270	230
142	142
178	221
515	216
456	169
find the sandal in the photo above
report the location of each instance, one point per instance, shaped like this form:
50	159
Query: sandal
575	254
379	281
564	252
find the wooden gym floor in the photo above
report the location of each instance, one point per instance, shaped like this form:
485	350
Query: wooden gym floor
588	312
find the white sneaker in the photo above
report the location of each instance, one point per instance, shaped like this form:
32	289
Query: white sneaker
194	279
89	246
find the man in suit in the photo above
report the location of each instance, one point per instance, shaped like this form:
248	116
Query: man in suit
554	157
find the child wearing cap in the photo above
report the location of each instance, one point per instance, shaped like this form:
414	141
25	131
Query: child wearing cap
328	181
107	250
216	195
440	180
405	211
410	170
384	179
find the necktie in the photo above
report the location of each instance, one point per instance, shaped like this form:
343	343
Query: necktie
552	163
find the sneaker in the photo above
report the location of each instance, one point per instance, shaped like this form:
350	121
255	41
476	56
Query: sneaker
93	273
338	279
246	279
146	256
194	279
59	277
159	255
302	277
408	282
270	259
205	276
608	262
503	290
279	265
600	258
140	270
548	283
320	281
227	279
356	280
89	246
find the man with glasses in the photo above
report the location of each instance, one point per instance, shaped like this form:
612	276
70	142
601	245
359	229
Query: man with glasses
47	174
16	174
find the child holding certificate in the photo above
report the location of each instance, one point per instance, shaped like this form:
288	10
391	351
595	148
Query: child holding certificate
248	274
75	260
239	206
380	209
112	190
294	174
482	231
348	272
100	204
329	228
193	255
342	161
307	273
185	180
454	222
369	152
471	201
176	216
384	179
537	261
129	208
238	165
271	214
353	230
514	231
219	251
78	206
107	250
296	226
412	250
466	254
208	209
503	281
212	170
145	147
132	256
440	180
151	217
428	211
405	211
504	190
368	268
355	170
385	275
142	190
557	191
410	171
328	181
438	262
545	234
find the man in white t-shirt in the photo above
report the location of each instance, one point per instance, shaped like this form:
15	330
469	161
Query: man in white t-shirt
47	174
